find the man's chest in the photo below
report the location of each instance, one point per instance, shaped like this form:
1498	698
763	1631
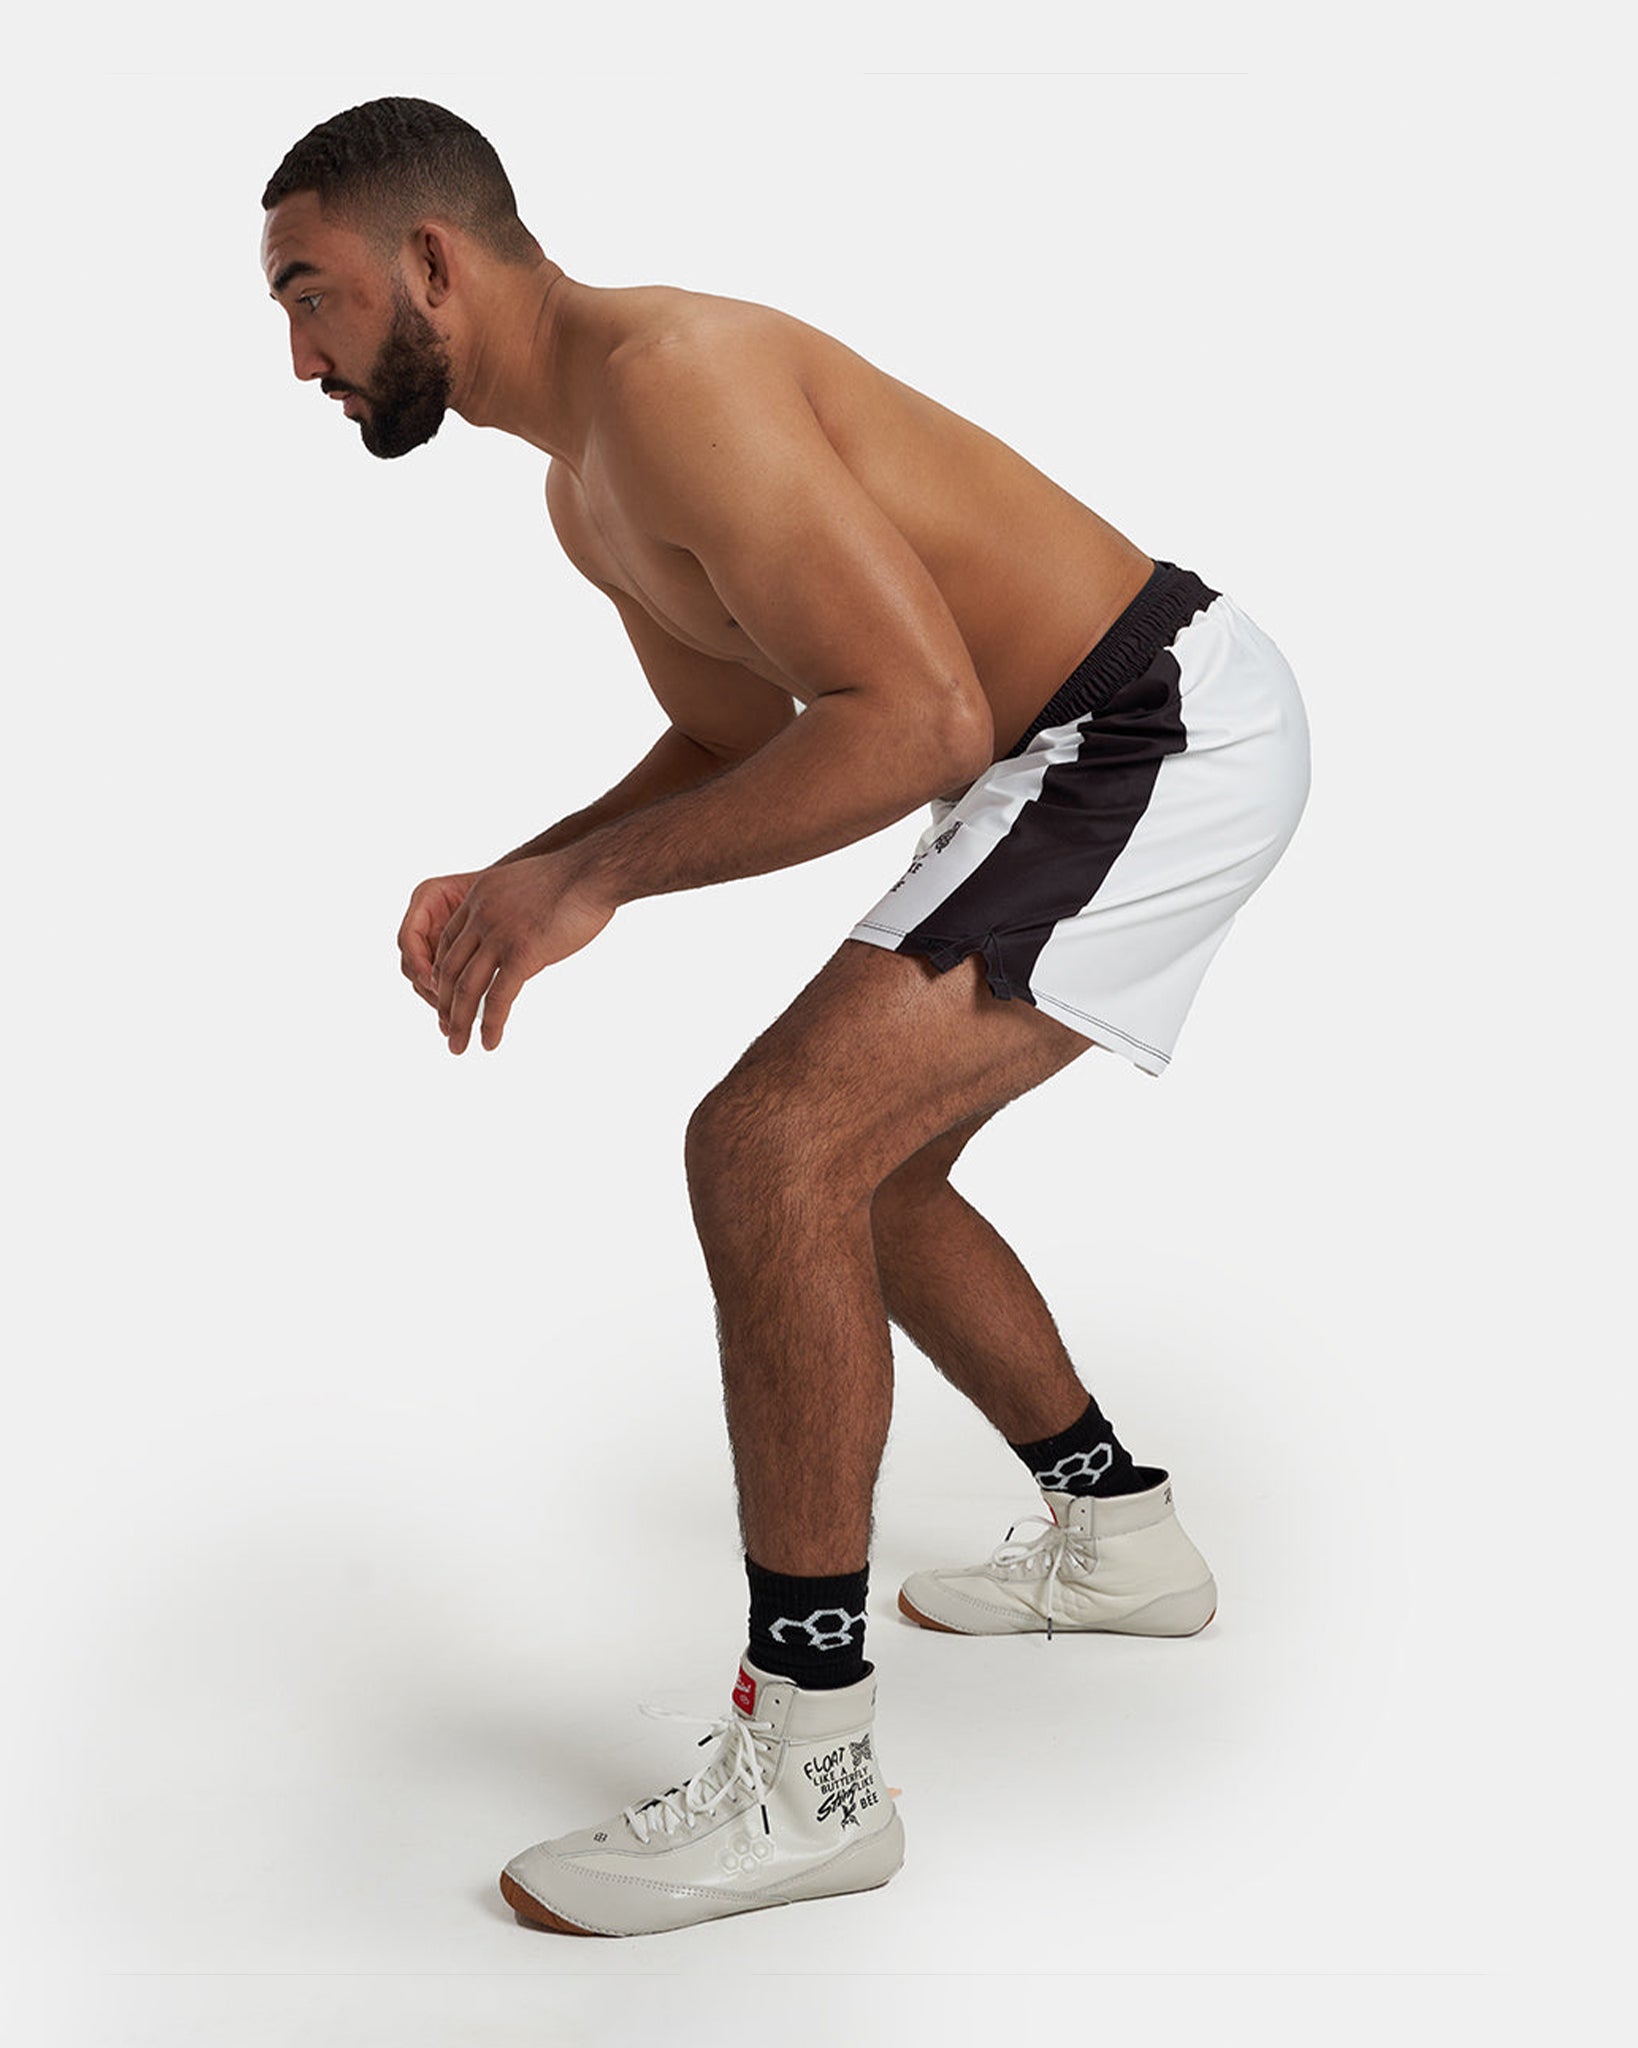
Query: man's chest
668	582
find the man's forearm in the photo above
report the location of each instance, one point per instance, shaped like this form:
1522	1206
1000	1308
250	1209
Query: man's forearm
674	764
842	770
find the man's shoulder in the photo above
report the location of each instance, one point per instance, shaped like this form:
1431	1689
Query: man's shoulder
696	404
682	349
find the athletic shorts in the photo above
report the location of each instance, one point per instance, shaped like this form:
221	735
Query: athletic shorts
1098	866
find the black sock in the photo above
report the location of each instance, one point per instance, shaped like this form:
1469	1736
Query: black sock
1087	1457
810	1630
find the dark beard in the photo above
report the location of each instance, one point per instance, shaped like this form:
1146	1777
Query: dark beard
408	390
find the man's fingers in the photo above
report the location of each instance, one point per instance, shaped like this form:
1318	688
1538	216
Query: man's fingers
415	957
498	1007
414	945
468	993
451	964
424	925
459	919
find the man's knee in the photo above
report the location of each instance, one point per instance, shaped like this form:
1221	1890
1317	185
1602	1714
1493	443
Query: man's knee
750	1148
716	1131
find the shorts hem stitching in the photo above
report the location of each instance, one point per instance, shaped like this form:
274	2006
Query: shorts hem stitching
1103	1024
1036	996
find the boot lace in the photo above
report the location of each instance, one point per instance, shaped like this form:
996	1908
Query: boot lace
736	1769
1044	1555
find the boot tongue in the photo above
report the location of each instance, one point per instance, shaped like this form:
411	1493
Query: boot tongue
1059	1505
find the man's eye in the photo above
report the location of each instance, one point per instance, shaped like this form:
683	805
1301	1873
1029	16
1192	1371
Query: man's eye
311	300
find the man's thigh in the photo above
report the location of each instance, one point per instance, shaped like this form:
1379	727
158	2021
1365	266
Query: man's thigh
879	1055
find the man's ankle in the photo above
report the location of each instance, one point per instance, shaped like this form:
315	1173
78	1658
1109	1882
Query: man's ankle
810	1630
1087	1457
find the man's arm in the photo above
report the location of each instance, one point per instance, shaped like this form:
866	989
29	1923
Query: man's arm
720	714
673	765
729	462
720	455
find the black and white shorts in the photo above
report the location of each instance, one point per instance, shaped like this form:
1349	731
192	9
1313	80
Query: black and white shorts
1099	865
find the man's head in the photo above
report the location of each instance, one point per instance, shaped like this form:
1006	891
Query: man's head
366	218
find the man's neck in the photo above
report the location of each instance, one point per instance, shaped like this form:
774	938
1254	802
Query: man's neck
530	368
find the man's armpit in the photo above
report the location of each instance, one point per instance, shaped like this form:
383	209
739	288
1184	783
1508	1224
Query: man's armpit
720	705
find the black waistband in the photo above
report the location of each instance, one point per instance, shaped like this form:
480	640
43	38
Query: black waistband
1153	620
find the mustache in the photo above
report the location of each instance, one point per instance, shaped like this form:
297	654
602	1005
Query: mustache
330	385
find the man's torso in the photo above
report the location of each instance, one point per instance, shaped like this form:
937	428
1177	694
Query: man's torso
1031	576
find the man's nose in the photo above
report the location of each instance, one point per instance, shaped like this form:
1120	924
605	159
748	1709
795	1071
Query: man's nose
307	361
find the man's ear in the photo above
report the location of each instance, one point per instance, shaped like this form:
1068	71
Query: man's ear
432	256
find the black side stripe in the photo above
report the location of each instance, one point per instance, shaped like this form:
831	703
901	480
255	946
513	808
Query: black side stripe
1061	847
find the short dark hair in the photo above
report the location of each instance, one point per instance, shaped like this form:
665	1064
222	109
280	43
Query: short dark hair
389	164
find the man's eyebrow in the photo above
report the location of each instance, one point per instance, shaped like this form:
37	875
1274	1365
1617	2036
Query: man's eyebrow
290	272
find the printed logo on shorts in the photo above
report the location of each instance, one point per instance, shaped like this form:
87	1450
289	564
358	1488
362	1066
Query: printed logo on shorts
745	1692
937	846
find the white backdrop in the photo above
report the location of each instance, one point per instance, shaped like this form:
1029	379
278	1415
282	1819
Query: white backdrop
365	1464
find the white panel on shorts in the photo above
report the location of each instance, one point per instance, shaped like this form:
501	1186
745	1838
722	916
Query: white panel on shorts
1124	970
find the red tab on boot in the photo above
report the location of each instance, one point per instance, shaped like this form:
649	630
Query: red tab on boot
745	1692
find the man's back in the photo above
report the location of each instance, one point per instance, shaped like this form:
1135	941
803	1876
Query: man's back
1031	576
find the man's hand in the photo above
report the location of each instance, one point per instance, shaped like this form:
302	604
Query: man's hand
510	923
430	909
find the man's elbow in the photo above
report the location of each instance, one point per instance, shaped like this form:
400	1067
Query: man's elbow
936	739
964	734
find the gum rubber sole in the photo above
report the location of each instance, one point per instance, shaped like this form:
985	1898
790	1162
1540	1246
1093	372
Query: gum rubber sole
534	1914
921	1620
529	1908
943	1628
864	1866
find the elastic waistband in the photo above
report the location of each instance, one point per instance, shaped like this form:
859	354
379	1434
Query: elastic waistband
1152	621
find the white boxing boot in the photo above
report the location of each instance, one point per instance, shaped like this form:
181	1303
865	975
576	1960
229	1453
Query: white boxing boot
792	1805
1122	1566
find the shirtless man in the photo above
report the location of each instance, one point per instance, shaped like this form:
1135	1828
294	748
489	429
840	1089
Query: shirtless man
1115	756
